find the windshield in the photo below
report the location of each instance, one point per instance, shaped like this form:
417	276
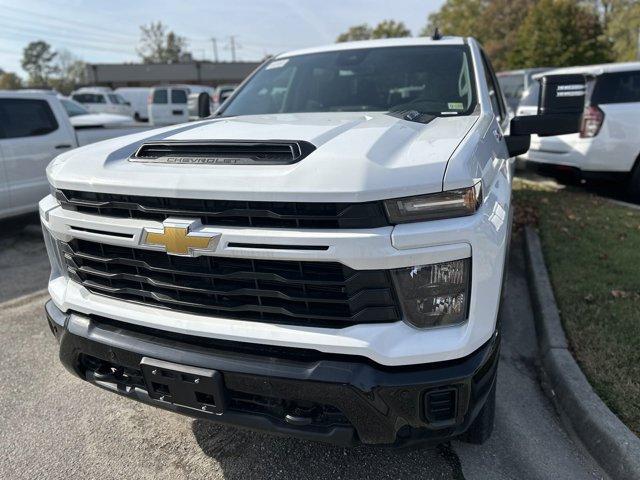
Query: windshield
73	108
435	80
117	99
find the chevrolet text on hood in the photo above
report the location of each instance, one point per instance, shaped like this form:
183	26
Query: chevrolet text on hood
322	258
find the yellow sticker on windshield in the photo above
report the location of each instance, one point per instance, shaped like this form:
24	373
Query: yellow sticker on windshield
455	105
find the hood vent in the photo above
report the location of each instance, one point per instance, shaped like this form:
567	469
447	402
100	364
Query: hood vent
223	152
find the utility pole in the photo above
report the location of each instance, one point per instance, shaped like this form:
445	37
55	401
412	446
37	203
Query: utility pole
215	49
638	46
232	42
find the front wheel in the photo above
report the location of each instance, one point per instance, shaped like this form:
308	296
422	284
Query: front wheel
633	188
482	427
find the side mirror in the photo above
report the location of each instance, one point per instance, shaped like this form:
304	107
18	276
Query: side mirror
560	108
199	105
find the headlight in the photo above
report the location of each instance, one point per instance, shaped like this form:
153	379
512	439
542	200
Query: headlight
434	295
453	203
58	268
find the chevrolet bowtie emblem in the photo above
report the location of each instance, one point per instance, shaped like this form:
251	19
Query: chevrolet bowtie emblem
181	237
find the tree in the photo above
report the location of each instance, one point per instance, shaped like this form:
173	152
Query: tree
499	20
384	29
357	32
37	61
623	28
491	22
559	33
70	72
157	45
10	81
390	29
457	17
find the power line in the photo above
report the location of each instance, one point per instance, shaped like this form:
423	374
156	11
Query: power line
65	35
65	21
79	45
45	28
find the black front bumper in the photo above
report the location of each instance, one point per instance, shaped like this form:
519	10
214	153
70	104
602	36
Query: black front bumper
338	399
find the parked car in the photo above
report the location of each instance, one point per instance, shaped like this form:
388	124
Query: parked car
221	93
138	97
34	128
100	101
515	82
323	258
608	144
80	117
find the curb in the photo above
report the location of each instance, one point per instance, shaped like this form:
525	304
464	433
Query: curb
607	439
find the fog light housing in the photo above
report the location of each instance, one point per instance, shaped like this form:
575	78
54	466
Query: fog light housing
434	295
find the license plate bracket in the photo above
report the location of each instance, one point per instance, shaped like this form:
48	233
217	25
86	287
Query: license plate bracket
192	387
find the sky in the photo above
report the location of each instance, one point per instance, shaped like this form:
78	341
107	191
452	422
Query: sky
108	31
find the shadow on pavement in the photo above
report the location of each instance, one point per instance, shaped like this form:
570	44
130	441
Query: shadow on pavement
24	267
245	454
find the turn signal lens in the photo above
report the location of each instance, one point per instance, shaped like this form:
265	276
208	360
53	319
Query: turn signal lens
453	203
434	295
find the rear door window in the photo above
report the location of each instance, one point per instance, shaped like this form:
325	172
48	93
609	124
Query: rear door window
178	96
21	117
619	87
84	98
160	96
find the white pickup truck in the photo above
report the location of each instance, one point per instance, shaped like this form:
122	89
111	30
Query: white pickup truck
323	258
35	128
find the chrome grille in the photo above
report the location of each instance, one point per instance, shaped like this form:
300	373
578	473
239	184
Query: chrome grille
321	294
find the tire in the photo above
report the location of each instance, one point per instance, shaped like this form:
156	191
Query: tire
633	188
482	427
136	117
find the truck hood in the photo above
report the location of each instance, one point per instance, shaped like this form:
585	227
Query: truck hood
358	157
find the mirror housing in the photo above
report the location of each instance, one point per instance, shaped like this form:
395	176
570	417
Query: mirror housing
560	108
199	105
517	144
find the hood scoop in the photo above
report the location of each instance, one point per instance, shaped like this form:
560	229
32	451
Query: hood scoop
223	152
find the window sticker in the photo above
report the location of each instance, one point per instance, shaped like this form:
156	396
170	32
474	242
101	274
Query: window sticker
455	106
277	64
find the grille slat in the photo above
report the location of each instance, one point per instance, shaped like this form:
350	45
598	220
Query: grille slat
320	294
363	297
228	212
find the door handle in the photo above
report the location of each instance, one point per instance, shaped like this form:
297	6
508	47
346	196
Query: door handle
62	145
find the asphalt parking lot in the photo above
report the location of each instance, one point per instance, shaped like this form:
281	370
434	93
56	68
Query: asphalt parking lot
55	426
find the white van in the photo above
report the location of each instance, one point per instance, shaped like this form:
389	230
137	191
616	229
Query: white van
101	101
138	97
168	103
34	128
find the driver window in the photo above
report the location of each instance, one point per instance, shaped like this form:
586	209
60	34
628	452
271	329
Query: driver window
497	104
